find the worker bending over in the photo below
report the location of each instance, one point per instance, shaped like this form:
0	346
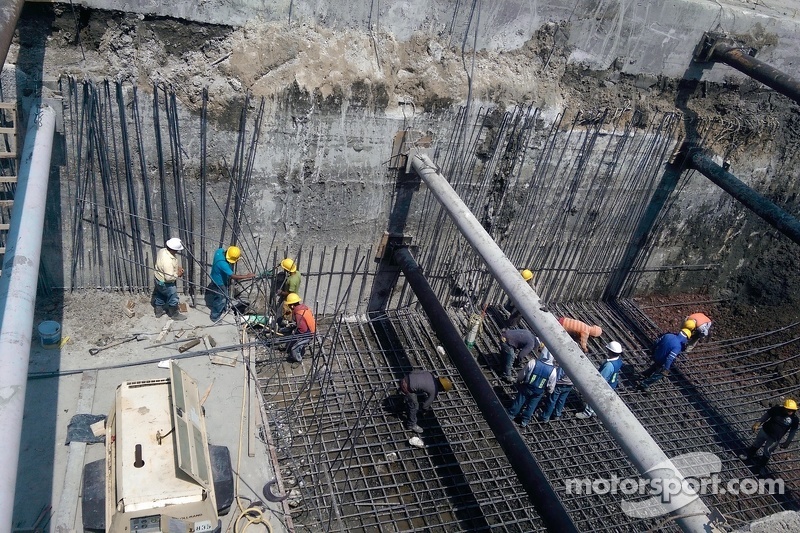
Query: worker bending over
666	349
421	384
537	376
581	330
771	427
512	340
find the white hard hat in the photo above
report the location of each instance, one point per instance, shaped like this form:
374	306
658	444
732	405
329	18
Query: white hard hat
175	244
614	347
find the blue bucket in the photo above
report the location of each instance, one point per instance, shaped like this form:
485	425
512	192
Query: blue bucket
50	333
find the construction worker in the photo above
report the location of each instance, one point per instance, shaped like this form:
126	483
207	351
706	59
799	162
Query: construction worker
609	371
581	330
167	272
512	340
771	427
700	326
665	351
305	325
536	377
221	276
558	398
514	316
421	384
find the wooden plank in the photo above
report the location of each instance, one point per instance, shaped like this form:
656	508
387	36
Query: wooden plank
70	494
6	203
8	179
5	227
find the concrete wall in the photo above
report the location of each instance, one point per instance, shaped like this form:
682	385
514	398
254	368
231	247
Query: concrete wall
651	38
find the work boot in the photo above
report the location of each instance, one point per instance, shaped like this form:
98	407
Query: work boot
174	314
159	311
508	378
583	415
416	429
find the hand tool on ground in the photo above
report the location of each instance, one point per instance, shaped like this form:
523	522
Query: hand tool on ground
191	344
95	351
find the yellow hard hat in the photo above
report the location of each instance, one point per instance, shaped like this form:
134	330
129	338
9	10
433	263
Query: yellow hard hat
293	298
527	275
288	265
232	254
687	332
790	404
446	384
690	324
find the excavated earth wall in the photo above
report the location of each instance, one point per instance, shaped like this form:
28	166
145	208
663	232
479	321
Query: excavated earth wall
339	80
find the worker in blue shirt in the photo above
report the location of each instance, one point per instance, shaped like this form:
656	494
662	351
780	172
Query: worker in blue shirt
538	375
665	351
221	276
609	371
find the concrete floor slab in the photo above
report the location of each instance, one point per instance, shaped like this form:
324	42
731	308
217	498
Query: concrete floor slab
69	381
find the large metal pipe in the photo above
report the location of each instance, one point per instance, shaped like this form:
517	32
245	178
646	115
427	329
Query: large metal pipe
733	55
519	455
766	209
645	454
9	15
18	295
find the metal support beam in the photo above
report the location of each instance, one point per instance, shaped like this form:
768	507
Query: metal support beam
645	454
519	455
717	47
766	209
9	15
18	284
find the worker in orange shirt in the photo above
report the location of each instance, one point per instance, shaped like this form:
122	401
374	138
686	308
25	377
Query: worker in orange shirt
700	326
581	330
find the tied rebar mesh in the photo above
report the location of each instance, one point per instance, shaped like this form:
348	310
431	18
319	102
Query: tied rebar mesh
340	435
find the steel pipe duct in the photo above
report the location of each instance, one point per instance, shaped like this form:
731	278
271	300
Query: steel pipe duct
755	68
9	15
18	295
766	209
645	454
715	46
541	494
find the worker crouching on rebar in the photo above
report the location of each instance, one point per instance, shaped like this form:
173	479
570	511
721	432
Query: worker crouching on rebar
609	371
536	377
512	340
167	272
221	276
666	349
421	385
771	427
305	326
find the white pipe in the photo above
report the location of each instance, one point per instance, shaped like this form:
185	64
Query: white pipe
18	295
690	512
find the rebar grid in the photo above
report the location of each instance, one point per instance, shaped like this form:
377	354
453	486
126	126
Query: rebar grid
339	423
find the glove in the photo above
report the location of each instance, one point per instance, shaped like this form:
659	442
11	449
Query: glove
756	426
